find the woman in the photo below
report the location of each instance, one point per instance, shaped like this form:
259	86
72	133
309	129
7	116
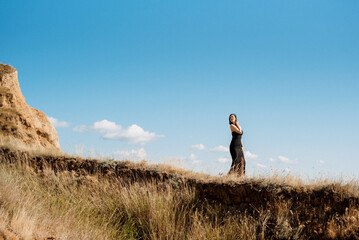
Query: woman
236	147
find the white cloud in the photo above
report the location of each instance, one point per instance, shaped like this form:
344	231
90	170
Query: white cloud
57	123
250	155
224	160
219	148
272	159
260	165
285	160
111	130
198	146
106	126
133	133
321	162
134	154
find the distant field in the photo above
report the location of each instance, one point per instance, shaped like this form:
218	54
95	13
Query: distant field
63	197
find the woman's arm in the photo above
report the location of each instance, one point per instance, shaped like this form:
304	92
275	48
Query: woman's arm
239	127
236	128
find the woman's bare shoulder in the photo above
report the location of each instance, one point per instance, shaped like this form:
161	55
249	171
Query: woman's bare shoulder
233	127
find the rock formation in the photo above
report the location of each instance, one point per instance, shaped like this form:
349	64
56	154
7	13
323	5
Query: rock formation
22	126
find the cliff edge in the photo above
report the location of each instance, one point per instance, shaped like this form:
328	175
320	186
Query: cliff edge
22	126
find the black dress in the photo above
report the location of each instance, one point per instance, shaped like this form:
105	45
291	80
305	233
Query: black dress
235	148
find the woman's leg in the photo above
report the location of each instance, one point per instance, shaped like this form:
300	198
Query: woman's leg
242	165
234	156
238	162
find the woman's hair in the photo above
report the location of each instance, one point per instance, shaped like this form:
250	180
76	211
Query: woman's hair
229	118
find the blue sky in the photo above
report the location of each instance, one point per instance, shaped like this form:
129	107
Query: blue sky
158	79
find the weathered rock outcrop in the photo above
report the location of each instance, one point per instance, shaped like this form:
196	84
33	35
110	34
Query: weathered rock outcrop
22	126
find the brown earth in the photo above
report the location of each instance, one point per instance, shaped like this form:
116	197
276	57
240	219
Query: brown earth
314	207
21	125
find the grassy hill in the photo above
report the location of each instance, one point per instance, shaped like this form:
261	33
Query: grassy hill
64	197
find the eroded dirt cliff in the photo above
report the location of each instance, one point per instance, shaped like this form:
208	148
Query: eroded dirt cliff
22	126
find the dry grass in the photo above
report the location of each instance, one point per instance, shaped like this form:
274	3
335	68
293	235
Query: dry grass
68	206
344	226
39	207
13	143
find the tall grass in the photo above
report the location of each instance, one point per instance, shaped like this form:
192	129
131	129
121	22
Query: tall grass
66	206
69	207
14	143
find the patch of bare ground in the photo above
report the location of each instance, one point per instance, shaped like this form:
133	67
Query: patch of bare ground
126	200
